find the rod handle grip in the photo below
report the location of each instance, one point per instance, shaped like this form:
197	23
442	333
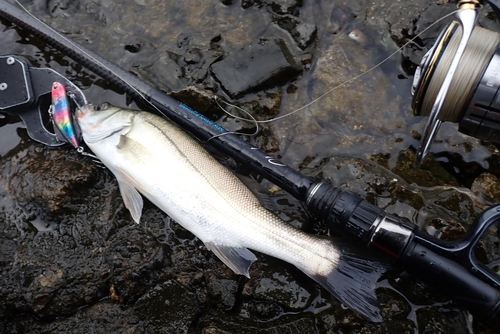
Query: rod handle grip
451	276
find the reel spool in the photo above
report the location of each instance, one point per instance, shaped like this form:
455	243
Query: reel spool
458	80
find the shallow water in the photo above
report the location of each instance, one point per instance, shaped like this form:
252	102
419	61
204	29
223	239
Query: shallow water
71	255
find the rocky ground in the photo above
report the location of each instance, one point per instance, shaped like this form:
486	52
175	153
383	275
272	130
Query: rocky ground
71	258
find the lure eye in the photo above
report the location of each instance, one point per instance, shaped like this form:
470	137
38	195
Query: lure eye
102	106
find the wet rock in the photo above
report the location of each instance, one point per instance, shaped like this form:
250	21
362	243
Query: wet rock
341	19
333	323
83	275
64	263
70	256
284	6
264	104
281	289
487	186
255	67
448	322
192	56
430	174
222	292
394	306
267	140
449	229
249	3
184	62
286	324
49	177
391	192
135	259
399	15
200	100
260	106
8	250
416	292
102	317
133	48
263	310
302	33
159	308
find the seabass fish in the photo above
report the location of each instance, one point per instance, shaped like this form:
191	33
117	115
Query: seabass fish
152	156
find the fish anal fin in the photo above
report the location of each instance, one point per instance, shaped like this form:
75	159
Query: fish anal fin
131	197
238	259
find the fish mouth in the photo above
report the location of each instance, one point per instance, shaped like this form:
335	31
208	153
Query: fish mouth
82	111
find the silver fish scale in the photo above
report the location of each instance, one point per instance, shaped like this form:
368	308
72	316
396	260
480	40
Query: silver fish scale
239	214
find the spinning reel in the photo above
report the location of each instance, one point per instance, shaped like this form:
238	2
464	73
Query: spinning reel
458	79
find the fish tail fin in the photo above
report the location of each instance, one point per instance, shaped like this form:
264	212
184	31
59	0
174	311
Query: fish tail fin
353	281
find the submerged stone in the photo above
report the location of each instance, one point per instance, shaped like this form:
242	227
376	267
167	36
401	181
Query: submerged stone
302	33
284	6
487	186
255	67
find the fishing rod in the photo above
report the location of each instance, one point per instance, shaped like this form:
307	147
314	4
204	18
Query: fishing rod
450	265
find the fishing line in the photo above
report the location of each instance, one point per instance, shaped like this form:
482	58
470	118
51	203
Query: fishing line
252	119
476	57
411	41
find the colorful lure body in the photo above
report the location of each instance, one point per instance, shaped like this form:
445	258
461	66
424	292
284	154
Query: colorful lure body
61	113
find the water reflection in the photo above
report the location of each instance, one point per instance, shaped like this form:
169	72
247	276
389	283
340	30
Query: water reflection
9	137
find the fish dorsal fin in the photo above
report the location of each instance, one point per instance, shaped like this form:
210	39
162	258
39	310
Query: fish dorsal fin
131	197
238	259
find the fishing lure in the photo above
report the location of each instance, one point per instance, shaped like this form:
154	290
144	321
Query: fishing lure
61	114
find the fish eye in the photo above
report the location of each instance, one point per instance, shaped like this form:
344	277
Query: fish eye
102	106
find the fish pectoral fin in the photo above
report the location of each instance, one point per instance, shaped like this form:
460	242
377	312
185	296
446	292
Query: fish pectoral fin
131	197
238	259
122	141
105	132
